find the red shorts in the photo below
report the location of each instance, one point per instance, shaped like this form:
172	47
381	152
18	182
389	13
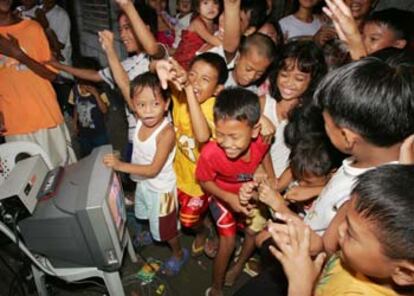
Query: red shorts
192	208
227	222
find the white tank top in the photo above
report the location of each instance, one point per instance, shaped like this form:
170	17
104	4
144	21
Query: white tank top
143	154
279	152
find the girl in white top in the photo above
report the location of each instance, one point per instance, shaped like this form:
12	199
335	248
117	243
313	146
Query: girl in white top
302	22
291	82
151	167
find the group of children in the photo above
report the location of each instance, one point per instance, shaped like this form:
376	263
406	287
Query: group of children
210	155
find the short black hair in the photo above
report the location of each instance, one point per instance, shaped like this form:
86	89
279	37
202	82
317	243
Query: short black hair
312	156
150	80
372	97
239	104
308	57
257	10
262	43
385	196
217	62
399	21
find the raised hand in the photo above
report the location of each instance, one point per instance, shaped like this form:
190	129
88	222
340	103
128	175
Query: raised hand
171	71
106	38
123	3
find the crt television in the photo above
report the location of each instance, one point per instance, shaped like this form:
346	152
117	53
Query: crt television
83	223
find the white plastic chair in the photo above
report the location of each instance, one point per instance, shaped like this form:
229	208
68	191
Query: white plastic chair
11	152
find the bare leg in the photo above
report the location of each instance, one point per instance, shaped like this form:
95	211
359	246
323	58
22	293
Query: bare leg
226	248
175	245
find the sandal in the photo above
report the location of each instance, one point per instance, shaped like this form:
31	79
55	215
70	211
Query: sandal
252	267
142	239
196	251
211	245
173	265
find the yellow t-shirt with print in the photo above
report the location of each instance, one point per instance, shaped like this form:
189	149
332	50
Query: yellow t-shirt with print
188	150
336	280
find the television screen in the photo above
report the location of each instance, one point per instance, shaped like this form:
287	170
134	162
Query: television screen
116	205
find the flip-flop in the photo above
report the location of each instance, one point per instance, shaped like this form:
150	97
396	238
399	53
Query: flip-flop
196	251
210	248
173	265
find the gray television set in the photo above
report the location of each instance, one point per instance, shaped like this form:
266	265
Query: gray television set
83	223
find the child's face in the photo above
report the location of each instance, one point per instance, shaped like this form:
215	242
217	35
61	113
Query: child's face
335	133
184	6
269	30
204	78
208	9
5	6
234	137
312	180
378	36
126	34
359	8
361	249
149	106
250	66
291	82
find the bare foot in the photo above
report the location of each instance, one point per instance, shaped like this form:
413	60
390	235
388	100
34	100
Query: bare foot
214	292
232	275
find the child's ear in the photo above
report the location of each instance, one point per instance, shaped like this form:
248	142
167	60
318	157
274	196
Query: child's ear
218	89
256	130
400	43
403	274
350	138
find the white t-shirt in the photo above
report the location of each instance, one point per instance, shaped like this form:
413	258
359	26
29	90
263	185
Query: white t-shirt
293	27
333	196
182	24
134	66
279	152
232	83
143	153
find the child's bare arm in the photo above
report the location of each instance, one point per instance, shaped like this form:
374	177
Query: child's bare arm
165	144
229	198
267	165
284	180
198	26
331	237
143	34
346	27
120	76
303	193
87	74
231	40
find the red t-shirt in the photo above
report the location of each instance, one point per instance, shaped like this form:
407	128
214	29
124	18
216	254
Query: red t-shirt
213	165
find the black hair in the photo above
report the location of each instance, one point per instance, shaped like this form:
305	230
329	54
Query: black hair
384	197
196	6
399	21
257	10
239	104
308	57
217	62
374	98
262	43
312	156
147	14
150	80
279	33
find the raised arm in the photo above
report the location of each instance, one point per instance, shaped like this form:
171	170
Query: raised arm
120	76
232	31
143	34
200	28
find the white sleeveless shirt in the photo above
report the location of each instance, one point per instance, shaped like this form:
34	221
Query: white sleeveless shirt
143	154
279	152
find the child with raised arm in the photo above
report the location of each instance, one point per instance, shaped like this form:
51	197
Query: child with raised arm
193	96
152	167
375	241
224	165
200	31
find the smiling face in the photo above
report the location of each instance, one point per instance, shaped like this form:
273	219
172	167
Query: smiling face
359	8
249	67
234	137
127	35
291	82
360	246
149	106
378	36
204	78
209	9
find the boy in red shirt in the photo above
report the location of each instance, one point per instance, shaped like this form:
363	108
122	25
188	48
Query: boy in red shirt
224	165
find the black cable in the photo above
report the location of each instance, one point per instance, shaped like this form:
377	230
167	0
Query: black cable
15	277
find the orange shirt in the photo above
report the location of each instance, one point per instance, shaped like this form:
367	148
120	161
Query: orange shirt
28	101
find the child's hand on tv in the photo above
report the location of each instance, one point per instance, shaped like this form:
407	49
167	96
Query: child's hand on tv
407	151
269	196
111	161
294	254
247	192
106	38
